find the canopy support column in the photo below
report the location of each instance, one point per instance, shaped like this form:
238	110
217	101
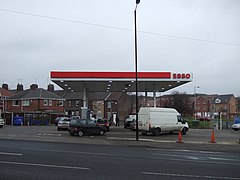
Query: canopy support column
154	99
84	109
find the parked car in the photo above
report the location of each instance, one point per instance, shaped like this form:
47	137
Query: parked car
63	123
58	119
103	122
127	122
1	122
236	127
133	125
82	127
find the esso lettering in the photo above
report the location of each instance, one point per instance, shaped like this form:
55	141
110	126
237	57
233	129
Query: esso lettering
181	76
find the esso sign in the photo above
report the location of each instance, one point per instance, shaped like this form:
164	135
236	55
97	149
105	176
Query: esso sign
181	75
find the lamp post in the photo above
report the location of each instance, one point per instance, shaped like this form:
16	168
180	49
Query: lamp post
195	102
136	63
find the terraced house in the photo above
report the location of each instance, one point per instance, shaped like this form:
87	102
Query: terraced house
36	105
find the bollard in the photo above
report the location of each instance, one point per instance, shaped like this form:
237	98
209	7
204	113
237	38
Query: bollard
213	137
179	137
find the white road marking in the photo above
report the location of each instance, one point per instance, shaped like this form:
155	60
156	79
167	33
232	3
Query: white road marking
11	154
188	175
177	155
191	160
222	159
74	152
44	165
184	150
46	134
191	157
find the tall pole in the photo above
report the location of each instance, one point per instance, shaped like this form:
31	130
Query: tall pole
195	102
136	67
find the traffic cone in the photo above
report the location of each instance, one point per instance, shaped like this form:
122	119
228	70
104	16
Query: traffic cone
213	137
179	137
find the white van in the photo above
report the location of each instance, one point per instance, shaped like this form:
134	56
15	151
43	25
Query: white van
156	120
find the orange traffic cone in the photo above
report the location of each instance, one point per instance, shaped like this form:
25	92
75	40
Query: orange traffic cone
179	137
213	137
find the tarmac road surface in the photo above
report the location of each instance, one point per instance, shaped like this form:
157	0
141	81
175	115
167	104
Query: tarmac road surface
27	159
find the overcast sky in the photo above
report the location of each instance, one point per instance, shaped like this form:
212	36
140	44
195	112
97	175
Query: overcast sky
197	36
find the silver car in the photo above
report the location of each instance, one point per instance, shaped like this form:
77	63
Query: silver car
1	122
63	123
236	127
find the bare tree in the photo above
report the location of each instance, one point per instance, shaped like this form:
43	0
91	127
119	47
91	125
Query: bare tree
180	102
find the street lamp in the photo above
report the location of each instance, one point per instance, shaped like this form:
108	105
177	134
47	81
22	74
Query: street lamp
195	102
136	69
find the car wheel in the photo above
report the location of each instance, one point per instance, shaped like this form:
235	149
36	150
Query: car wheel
156	132
58	129
1	126
184	131
80	133
101	132
71	133
235	129
144	133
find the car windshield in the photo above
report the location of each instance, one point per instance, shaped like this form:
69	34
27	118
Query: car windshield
129	119
92	123
73	121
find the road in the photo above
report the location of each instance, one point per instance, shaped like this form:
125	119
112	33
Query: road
25	160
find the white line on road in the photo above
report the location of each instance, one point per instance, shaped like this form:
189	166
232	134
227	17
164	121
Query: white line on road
185	150
11	154
189	175
74	152
177	155
43	165
222	159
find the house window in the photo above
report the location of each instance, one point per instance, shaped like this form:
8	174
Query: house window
109	105
50	102
25	102
15	102
69	103
77	103
45	102
60	103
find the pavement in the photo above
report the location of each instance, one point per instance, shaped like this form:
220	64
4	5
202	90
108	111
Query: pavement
119	135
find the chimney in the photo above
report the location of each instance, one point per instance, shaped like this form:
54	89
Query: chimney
50	88
33	86
19	87
5	86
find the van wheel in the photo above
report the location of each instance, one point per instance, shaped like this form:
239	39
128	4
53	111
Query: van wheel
184	131
156	132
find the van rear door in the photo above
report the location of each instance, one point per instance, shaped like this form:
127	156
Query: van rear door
143	122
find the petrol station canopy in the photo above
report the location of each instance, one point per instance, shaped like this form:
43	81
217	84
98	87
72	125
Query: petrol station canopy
79	81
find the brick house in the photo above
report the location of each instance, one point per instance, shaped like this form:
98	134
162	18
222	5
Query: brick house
4	94
226	104
204	108
36	105
211	105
